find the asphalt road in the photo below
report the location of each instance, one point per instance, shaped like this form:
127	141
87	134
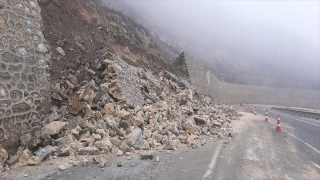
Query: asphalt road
306	130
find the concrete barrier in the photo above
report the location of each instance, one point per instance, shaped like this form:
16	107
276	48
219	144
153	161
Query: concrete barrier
298	112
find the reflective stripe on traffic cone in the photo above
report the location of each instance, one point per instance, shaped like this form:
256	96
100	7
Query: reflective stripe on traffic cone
278	129
266	119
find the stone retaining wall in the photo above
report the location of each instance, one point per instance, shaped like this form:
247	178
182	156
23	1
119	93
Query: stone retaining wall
206	83
24	72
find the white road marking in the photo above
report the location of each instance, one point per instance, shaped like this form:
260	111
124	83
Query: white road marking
313	148
213	163
297	119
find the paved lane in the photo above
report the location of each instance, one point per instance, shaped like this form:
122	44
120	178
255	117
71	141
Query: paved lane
306	131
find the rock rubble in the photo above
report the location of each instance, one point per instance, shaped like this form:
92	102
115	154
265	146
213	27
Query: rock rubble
114	107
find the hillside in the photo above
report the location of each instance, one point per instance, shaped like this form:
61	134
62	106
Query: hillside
86	30
236	49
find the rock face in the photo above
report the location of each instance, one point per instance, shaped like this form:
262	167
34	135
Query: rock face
24	77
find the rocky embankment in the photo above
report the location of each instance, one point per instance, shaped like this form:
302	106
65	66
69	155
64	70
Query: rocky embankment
122	109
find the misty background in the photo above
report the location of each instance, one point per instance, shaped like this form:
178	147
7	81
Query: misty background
267	43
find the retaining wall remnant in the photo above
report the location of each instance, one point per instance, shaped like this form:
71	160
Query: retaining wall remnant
24	72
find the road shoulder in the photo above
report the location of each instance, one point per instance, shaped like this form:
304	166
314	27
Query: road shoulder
258	152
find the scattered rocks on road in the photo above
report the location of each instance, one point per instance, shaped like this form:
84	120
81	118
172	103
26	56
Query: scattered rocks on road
121	109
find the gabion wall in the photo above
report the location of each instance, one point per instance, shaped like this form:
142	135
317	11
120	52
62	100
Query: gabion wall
24	72
206	83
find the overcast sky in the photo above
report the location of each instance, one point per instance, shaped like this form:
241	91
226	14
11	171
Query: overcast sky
301	17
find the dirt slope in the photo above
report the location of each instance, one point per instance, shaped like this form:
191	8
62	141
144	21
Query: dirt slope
86	30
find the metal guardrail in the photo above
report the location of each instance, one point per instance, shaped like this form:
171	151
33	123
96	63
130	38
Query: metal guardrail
298	112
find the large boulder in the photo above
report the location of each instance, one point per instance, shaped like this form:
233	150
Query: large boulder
45	152
135	138
53	128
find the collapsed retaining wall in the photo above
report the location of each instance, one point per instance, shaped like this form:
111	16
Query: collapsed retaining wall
206	83
24	72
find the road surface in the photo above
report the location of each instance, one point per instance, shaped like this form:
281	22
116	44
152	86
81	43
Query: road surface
255	151
305	130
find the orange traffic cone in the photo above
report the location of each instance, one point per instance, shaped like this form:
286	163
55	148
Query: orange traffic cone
255	111
278	129
266	119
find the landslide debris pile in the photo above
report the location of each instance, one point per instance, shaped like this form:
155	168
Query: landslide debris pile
119	108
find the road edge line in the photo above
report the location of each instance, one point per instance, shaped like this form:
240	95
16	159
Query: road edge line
213	162
313	148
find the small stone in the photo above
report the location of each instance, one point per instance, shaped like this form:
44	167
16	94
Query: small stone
70	84
88	150
25	175
61	51
61	167
56	96
120	153
96	136
104	144
129	158
45	152
147	155
75	132
128	153
100	160
109	108
84	161
74	163
119	164
157	159
123	114
3	156
33	160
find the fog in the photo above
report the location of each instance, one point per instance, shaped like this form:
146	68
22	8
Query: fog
280	35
